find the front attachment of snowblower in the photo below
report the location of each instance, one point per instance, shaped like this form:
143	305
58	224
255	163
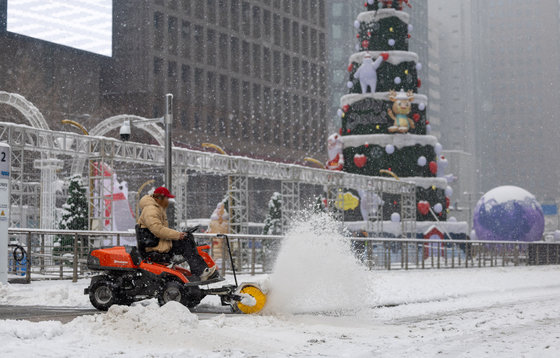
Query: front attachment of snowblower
253	299
248	298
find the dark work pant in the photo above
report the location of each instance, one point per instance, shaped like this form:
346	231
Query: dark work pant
187	249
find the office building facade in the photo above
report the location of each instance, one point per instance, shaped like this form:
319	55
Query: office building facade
516	53
250	76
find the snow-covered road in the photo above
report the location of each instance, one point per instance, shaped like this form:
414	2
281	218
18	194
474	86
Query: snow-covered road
500	312
321	302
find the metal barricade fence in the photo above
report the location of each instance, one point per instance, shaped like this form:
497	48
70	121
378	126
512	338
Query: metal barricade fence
62	254
408	254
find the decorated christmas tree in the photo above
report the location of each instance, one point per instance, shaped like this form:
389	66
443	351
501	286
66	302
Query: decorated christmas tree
384	126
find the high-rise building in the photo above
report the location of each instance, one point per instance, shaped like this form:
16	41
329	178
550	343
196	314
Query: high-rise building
516	54
249	75
451	28
433	81
3	15
341	15
419	41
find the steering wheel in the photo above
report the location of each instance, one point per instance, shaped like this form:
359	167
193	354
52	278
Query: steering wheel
191	230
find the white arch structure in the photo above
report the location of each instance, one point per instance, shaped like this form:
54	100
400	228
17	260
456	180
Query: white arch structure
115	122
47	164
98	199
26	108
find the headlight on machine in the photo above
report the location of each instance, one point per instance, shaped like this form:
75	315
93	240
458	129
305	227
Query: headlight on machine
93	261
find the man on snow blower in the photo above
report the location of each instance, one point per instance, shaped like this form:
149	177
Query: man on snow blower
153	220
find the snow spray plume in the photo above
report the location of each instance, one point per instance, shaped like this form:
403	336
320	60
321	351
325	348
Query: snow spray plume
316	271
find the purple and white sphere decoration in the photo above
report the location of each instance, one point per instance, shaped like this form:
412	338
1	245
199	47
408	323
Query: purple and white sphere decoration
410	27
357	24
438	208
422	106
391	42
349	84
449	192
398	80
390	149
396	217
422	161
508	213
438	148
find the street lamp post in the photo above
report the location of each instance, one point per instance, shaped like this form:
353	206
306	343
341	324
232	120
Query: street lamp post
168	120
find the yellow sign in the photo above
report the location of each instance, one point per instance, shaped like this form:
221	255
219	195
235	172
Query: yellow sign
348	200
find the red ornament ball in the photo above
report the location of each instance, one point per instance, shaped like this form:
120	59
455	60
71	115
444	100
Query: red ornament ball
416	117
340	131
395	202
433	167
447	203
358	36
360	160
348	131
424	208
346	108
365	44
409	36
419	84
350	67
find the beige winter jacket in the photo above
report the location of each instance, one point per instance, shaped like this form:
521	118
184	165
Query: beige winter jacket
154	218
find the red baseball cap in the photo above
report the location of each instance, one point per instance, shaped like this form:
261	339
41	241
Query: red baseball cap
164	192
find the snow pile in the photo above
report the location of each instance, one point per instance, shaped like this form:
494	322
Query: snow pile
25	330
141	321
316	271
52	293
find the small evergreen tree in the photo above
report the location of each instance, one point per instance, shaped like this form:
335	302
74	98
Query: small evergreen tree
76	207
75	216
273	221
320	205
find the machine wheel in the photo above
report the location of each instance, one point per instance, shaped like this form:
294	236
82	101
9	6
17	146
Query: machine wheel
257	300
173	291
102	295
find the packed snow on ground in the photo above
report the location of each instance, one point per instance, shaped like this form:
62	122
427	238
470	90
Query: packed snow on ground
321	303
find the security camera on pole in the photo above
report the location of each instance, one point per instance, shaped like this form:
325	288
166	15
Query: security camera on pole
4	209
